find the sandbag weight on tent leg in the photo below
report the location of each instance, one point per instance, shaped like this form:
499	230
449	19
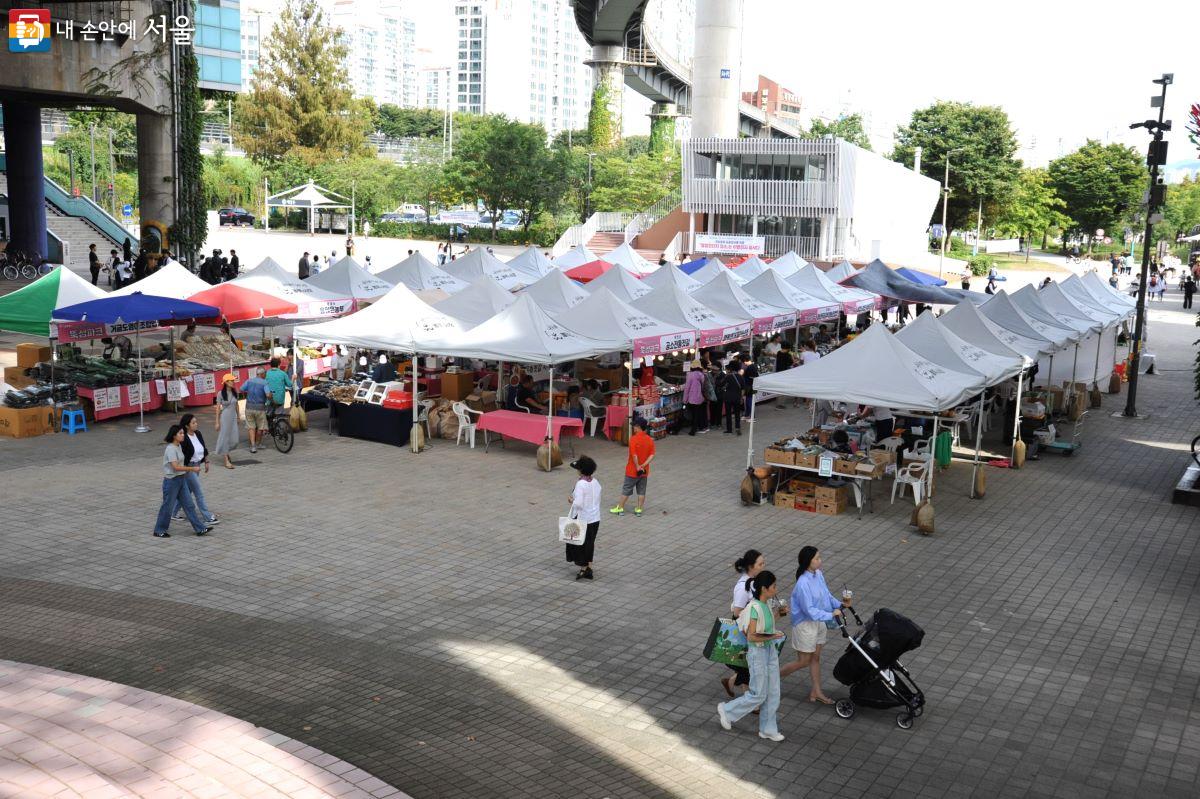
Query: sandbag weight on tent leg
1018	459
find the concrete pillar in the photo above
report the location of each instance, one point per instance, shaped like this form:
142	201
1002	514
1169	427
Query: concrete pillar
156	179
716	78
662	128
26	180
608	87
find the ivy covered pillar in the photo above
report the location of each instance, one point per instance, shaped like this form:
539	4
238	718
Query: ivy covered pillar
156	180
608	85
662	128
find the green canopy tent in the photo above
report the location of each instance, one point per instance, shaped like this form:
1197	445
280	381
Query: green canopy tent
28	309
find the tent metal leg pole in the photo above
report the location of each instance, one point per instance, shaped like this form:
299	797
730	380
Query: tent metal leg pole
1012	453
141	428
933	454
978	442
550	424
750	437
414	443
632	401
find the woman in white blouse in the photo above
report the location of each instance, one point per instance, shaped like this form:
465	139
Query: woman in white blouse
585	506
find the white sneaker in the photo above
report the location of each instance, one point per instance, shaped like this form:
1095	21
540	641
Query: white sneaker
722	717
776	737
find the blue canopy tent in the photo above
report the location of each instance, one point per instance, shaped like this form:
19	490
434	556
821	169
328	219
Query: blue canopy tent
132	309
920	277
691	266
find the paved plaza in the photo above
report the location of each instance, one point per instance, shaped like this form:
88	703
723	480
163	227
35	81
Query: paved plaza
413	615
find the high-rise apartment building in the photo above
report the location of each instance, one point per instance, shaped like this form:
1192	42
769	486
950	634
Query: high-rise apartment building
434	83
217	40
382	50
522	58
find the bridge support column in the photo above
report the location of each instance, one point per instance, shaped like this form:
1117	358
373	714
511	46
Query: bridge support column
662	128
156	181
608	86
26	180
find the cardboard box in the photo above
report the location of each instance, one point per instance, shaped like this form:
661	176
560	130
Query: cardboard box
872	469
832	493
806	503
25	422
457	385
803	490
826	508
786	457
784	499
32	354
882	456
845	466
810	461
15	376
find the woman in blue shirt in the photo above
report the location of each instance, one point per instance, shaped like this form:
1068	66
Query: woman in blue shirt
812	605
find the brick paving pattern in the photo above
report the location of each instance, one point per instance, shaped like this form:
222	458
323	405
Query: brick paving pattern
64	735
413	615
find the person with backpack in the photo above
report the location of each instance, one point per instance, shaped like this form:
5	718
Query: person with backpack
734	396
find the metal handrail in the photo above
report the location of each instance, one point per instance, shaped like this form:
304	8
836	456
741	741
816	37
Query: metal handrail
651	216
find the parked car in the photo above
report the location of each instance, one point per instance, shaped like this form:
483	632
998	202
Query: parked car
235	217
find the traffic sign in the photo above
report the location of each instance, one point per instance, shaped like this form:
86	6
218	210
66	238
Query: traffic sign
127	210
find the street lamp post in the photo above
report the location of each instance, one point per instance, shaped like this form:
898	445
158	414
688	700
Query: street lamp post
1156	156
945	202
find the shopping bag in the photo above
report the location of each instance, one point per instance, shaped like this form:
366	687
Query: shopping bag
298	418
727	644
571	531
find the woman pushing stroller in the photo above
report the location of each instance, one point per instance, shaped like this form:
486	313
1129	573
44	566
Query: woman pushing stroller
813	609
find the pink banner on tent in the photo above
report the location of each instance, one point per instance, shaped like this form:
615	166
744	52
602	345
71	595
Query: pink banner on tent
860	306
88	331
773	324
657	345
724	335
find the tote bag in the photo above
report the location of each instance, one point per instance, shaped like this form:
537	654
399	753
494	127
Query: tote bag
571	531
727	643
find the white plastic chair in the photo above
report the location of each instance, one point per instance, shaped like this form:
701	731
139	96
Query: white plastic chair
423	416
922	450
913	474
592	413
465	425
891	443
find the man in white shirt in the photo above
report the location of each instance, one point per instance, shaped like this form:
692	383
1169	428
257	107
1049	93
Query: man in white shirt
810	354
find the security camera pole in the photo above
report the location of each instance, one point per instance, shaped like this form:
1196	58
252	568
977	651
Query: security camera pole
1156	156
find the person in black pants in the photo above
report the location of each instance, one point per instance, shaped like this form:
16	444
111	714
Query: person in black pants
1189	288
749	372
93	263
734	397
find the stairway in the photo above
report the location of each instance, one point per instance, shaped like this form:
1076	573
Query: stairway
76	232
604	243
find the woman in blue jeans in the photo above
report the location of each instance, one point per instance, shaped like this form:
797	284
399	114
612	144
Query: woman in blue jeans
195	453
174	487
758	622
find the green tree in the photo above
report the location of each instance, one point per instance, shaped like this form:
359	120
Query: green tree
232	181
1182	209
500	162
1033	207
427	183
300	102
621	183
982	150
1099	183
404	123
76	145
848	127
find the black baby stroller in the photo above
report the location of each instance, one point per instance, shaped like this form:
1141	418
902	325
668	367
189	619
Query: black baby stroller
871	666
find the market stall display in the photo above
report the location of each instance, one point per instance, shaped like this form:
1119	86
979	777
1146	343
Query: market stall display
555	292
826	478
419	274
30	308
481	263
477	303
622	284
660	405
532	262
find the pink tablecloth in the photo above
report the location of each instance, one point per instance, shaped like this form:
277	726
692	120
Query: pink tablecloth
615	417
529	427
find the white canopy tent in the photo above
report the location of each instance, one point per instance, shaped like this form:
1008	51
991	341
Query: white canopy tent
576	256
966	322
622	284
927	336
398	321
772	289
419	274
606	315
477	303
172	280
674	306
348	278
1078	291
1000	310
631	259
812	281
672	277
751	268
310	197
479	263
555	292
1058	301
876	368
1102	344
313	302
724	294
788	264
1101	289
1081	342
842	271
532	262
713	267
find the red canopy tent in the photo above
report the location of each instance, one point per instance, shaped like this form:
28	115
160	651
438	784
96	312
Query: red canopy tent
240	304
585	273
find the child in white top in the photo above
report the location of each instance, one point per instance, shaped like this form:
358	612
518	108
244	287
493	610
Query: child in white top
585	506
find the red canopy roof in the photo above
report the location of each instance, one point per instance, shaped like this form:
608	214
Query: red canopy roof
239	304
588	272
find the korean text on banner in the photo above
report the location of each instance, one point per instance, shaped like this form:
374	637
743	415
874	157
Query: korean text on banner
734	245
